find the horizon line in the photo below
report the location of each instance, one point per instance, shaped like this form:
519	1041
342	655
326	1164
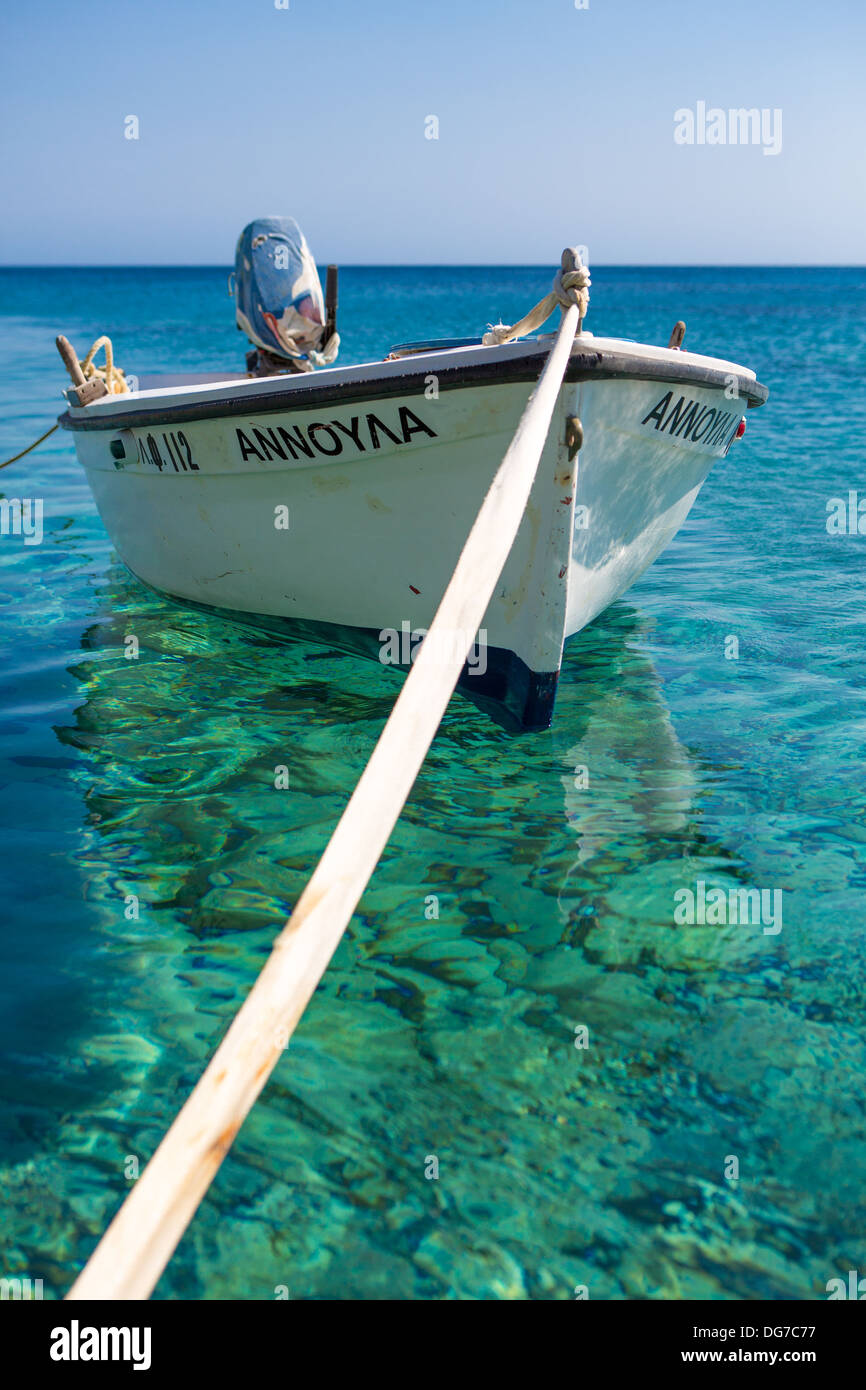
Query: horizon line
448	265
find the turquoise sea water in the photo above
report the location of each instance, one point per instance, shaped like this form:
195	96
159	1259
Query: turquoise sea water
607	1166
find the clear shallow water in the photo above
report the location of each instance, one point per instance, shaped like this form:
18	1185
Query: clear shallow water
558	1167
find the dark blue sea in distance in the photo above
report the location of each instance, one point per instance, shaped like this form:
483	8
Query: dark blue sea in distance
710	1140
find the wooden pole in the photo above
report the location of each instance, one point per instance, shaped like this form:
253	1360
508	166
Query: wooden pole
70	361
143	1235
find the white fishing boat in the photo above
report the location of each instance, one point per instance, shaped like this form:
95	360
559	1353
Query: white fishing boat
331	505
501	492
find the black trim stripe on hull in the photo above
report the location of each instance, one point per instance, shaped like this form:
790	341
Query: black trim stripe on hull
584	366
514	697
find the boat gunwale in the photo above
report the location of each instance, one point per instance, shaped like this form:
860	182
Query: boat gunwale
587	364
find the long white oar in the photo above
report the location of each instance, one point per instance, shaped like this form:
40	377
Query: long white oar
142	1237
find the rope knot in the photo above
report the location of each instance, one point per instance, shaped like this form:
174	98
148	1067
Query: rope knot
570	286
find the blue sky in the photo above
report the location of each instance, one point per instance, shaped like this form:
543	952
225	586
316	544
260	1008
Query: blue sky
555	126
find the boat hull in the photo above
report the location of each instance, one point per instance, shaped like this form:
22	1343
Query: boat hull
340	519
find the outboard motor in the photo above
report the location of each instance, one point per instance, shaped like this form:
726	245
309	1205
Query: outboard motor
279	299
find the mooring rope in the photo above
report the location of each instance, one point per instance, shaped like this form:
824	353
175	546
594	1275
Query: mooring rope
569	287
16	457
143	1235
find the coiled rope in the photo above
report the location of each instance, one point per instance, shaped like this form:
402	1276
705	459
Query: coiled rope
570	286
114	377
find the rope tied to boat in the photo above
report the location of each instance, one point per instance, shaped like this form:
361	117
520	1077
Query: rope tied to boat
141	1239
82	373
89	382
571	285
30	447
113	377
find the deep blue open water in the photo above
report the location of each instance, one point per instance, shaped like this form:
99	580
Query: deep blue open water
710	1141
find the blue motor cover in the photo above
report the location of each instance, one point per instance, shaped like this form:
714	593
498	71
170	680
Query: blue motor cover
278	294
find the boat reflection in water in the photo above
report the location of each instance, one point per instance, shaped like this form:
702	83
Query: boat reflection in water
511	909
